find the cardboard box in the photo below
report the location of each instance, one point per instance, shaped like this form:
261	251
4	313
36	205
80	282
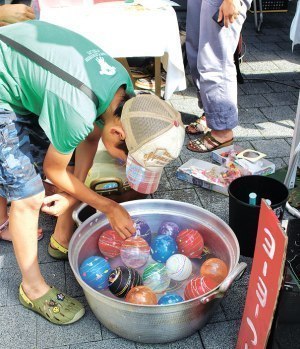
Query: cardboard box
192	172
262	167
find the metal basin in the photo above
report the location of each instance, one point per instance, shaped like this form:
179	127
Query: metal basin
154	323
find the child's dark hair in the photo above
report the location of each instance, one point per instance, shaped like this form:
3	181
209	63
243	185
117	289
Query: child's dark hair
118	112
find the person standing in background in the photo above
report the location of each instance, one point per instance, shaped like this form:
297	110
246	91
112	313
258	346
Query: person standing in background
210	47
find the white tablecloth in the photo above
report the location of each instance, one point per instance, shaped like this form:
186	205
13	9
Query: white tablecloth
295	27
123	30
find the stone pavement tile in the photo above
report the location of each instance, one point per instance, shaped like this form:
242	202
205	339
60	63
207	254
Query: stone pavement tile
7	256
72	286
283	86
54	274
189	105
218	315
175	163
17	328
164	182
279	162
262	46
253	101
264	67
273	148
214	202
106	344
185	195
193	341
107	334
277	129
4	277
243	281
251	116
233	302
87	329
188	118
287	76
190	91
284	112
187	154
290	57
289	337
294	107
244	132
281	98
252	88
221	335
174	181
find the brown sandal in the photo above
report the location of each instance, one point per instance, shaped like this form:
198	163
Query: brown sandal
200	145
197	127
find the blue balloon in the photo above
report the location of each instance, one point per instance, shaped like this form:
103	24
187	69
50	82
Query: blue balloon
162	248
170	298
95	271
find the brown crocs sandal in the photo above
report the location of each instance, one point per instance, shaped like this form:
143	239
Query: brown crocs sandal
197	127
199	145
55	306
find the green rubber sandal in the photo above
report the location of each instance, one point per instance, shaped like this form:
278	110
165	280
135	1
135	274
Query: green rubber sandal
54	306
56	250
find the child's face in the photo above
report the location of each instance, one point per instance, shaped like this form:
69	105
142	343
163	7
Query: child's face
112	137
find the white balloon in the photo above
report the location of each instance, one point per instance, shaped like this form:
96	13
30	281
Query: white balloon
179	267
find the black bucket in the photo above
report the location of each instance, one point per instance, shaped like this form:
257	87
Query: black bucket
243	218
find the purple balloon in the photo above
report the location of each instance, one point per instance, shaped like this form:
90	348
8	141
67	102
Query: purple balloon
142	229
169	228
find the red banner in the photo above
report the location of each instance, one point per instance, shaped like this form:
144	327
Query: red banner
265	281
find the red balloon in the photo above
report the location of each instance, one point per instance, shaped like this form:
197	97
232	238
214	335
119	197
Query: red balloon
110	243
198	286
215	269
190	243
141	295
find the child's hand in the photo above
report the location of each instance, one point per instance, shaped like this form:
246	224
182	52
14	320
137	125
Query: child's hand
16	13
120	221
57	204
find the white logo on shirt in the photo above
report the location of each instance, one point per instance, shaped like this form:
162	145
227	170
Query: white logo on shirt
105	68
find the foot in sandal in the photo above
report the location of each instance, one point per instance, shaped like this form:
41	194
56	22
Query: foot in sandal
5	235
197	127
56	250
209	142
55	306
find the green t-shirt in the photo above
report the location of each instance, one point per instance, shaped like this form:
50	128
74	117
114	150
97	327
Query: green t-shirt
65	113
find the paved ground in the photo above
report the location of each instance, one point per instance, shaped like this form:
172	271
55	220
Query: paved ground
267	102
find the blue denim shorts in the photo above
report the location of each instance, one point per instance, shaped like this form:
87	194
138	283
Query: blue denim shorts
19	173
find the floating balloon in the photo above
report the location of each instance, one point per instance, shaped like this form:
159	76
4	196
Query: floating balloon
215	269
162	248
169	228
109	243
142	229
190	243
156	277
94	271
142	295
122	279
179	267
170	298
198	286
135	252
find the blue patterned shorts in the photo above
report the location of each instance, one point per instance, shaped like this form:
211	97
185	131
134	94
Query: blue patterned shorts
19	174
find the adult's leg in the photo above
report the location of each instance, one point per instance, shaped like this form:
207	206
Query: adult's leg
218	85
4	234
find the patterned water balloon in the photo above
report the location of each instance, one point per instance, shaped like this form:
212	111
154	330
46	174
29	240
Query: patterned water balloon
142	295
122	279
198	286
109	243
156	277
162	248
94	271
190	243
215	269
135	252
169	228
170	298
179	267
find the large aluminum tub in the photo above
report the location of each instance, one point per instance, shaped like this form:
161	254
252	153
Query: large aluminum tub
154	323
